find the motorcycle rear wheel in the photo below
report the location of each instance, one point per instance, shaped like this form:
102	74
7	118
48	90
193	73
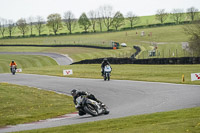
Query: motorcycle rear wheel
13	73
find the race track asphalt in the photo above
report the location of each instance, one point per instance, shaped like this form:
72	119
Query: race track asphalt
123	97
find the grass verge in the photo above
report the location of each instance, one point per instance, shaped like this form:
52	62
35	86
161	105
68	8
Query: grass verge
22	104
76	53
154	73
25	61
179	121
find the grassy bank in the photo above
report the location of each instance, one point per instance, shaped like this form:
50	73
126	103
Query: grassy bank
144	21
159	34
155	73
167	39
25	61
180	121
21	104
76	53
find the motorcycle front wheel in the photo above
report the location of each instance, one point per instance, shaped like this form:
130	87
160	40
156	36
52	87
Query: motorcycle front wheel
108	76
90	109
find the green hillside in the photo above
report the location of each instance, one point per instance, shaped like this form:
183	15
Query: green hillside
143	21
167	39
24	61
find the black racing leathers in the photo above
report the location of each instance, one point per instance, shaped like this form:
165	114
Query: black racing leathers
103	64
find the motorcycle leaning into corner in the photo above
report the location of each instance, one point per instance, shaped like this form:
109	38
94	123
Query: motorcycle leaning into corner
107	72
90	106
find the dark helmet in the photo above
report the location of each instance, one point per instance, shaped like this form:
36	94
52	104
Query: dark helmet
73	92
13	61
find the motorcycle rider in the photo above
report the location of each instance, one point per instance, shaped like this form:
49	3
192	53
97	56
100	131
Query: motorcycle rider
103	64
75	93
12	63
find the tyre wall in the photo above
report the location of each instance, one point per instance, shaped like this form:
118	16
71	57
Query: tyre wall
182	60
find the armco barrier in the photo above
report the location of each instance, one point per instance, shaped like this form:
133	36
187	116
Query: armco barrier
182	60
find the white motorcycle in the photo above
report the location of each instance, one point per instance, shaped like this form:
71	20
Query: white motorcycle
107	71
90	106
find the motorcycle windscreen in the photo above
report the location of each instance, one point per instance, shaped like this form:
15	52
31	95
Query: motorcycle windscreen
107	68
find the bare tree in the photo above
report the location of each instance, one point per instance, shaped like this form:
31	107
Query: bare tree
177	15
118	20
70	21
133	19
192	12
39	25
54	21
194	31
22	26
107	14
11	27
93	18
30	21
161	15
99	19
3	23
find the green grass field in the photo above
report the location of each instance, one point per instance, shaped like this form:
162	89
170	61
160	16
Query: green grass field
24	61
159	34
154	73
77	54
21	104
167	39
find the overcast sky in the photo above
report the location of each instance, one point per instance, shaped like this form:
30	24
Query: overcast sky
16	9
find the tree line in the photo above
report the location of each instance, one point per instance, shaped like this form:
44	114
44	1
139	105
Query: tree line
103	16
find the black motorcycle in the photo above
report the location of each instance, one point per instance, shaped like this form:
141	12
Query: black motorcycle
90	106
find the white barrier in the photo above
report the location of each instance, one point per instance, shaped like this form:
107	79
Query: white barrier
195	76
19	70
67	72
